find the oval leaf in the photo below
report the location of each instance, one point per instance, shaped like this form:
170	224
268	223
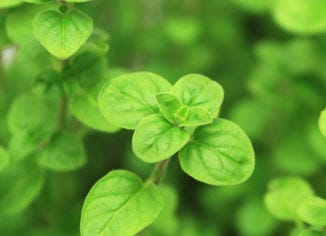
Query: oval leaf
284	195
127	99
64	153
120	204
198	90
313	211
156	139
301	16
218	154
62	34
197	116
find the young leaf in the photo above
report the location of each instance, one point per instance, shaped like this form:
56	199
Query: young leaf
218	154
127	99
168	104
120	204
64	153
198	90
313	211
156	139
197	116
4	158
322	122
284	195
301	16
10	3
20	184
62	34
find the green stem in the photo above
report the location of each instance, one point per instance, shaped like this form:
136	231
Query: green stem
159	172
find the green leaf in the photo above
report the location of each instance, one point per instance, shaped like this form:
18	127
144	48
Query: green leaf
4	158
322	122
218	154
197	116
156	139
120	204
20	184
37	1
182	114
48	84
198	90
62	34
255	6
79	0
313	211
301	16
27	114
65	152
284	195
127	99
168	104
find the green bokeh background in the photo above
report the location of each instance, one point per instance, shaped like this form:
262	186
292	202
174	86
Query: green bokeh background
275	87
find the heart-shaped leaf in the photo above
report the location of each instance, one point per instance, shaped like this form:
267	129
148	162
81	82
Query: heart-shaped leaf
62	34
120	204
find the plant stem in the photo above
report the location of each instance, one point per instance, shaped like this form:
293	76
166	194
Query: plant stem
158	172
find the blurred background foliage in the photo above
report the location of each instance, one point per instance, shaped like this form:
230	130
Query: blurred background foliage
273	71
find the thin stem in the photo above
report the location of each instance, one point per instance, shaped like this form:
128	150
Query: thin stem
158	172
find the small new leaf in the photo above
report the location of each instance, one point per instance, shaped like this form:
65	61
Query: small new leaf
218	154
313	211
62	34
198	90
120	204
197	116
156	139
127	99
168	104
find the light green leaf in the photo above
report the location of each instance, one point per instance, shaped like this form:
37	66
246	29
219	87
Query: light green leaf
65	152
127	99
322	122
301	16
120	204
284	195
197	116
62	34
218	154
313	211
156	139
4	158
27	114
168	104
20	184
198	90
182	114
